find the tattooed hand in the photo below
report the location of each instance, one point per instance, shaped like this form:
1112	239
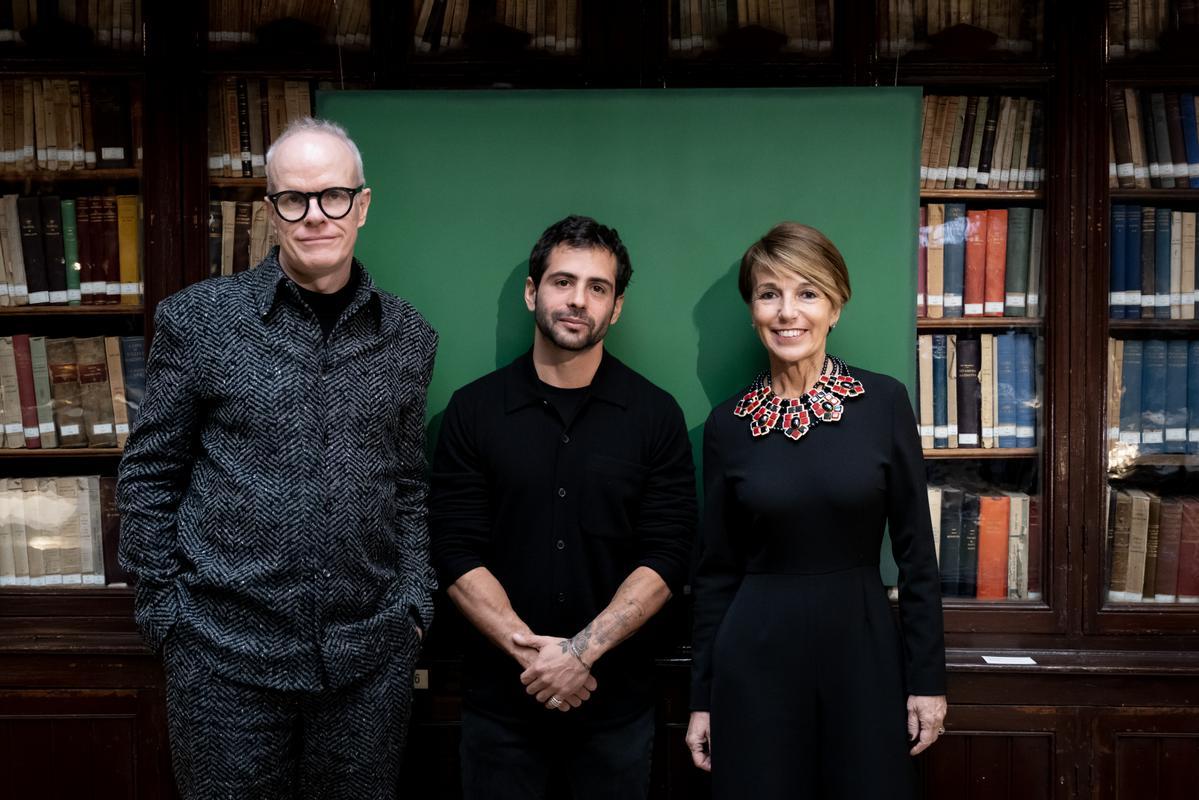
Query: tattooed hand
555	672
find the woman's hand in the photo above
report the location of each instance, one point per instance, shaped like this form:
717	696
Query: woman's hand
926	720
699	740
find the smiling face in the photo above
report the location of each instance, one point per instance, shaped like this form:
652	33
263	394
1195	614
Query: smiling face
792	317
576	300
316	247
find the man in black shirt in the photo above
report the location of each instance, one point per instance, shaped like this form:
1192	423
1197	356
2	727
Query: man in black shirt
561	516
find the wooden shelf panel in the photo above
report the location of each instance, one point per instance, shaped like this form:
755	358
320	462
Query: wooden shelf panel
951	453
977	323
72	175
1165	325
236	183
1160	460
1163	195
114	310
60	452
982	194
912	69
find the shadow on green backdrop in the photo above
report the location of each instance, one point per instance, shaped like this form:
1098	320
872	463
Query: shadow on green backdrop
463	183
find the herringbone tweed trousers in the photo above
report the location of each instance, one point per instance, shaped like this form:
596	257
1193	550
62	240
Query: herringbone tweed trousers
233	741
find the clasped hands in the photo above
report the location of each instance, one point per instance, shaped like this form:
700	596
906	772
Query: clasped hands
552	672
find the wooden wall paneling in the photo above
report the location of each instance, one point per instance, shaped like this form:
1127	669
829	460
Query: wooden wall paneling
1145	753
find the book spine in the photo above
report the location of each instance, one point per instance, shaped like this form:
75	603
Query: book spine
32	248
1188	553
1161	263
109	256
1026	399
41	390
936	261
70	244
14	429
1005	389
1120	530
1148	261
995	280
133	365
23	361
969	432
1190	137
127	249
54	248
924	351
1117	296
1176	396
1153	397
1016	266
954	262
1152	539
116	386
951	541
994	520
922	264
968	554
940	392
974	281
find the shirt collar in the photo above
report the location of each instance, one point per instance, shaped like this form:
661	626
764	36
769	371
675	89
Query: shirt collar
270	280
522	388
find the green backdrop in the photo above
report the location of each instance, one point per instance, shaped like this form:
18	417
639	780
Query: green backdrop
463	183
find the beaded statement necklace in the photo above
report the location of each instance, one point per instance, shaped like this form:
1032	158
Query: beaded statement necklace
795	416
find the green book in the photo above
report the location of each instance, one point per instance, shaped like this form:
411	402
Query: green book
70	240
1015	280
41	391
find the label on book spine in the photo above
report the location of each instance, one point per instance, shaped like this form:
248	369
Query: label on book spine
258	161
1193	434
102	428
927	430
215	162
1176	434
923	168
20	290
982	179
993	307
1015	300
974	309
14	427
1024	431
1147	300
70	430
972	174
128	288
1130	437
77	155
89	158
968	439
1180	170
58	297
1034	299
92	287
1124	170
48	427
1166	170
1113	433
1111	170
920	298
112	153
32	433
1141	173
1193	170
988	432
112	288
1188	298
936	300
1152	437
1005	430
122	427
74	294
1155	170
1161	300
953	430
38	297
939	431
4	289
953	301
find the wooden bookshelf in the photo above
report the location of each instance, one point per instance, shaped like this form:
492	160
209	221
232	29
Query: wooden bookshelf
978	323
971	453
114	310
59	452
1013	195
1155	195
72	175
1190	326
217	182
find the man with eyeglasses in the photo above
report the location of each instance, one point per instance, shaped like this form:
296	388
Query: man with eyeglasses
272	500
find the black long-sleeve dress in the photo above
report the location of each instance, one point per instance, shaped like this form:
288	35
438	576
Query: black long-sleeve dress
796	653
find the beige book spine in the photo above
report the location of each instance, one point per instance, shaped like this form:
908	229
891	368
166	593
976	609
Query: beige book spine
1187	257
951	387
116	387
924	349
62	497
986	389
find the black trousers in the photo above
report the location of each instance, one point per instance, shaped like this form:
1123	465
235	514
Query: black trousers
504	760
233	740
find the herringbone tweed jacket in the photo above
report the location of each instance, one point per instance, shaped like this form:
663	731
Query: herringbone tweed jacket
273	490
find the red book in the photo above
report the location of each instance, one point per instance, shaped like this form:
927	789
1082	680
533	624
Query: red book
24	359
994	514
922	264
1165	581
976	263
1034	548
83	227
1188	553
996	263
108	257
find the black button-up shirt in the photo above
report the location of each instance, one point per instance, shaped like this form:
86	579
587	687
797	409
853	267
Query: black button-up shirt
272	493
561	514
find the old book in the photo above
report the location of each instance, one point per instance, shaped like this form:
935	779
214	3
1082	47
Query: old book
110	520
968	554
133	367
70	244
1188	553
1115	368
15	266
924	345
967	363
15	497
986	390
954	259
14	430
1018	546
228	229
1016	265
88	120
254	117
929	107
951	540
1036	242
935	280
1136	140
951	388
37	537
1176	396
23	360
214	238
61	498
1175	265
127	249
994	519
1187	261
218	152
1151	548
940	393
232	131
952	103
242	217
922	265
106	247
1153	396
955	142
41	390
245	164
977	141
30	217
1177	149
974	280
962	166
116	385
1165	578
260	233
110	123
1120	528
54	248
987	146
64	388
95	392
8	569
90	290
1138	540
995	277
89	510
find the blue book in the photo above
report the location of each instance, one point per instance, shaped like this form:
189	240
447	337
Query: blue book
1190	136
940	393
133	365
1026	392
1132	262
1153	397
1005	389
1161	264
955	258
1192	397
1116	254
1176	396
1130	392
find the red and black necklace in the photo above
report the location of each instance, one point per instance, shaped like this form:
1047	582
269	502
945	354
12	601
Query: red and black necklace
795	416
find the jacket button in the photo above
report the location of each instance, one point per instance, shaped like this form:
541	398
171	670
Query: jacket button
565	438
561	492
561	597
561	545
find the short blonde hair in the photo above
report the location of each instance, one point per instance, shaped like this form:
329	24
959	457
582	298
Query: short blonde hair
801	250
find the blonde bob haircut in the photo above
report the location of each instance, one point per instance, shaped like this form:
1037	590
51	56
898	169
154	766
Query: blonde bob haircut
799	250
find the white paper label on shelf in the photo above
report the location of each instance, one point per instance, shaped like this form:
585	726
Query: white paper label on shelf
968	439
129	288
215	162
1034	299
952	429
923	168
920	298
70	430
1193	434
982	180
1140	173
973	309
37	298
1024	431
926	430
89	158
1152	436
258	161
112	288
1116	299
123	428
1188	299
74	295
1005	430
993	307
1015	299
1009	660
972	174
953	301
936	300
32	433
1176	434
1161	300
112	153
988	432
939	431
46	427
102	428
58	297
14	427
1147	300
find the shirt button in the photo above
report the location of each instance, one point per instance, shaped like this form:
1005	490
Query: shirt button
561	597
565	438
561	492
561	545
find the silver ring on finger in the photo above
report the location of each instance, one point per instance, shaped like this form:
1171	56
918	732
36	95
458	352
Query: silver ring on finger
554	702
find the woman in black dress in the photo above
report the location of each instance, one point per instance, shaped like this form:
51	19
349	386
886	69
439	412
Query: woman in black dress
802	686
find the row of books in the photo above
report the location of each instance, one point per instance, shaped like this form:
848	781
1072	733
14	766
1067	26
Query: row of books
903	25
70	392
1153	258
982	142
1153	395
115	24
60	124
70	250
978	262
550	25
346	23
239	236
697	25
59	531
988	543
1152	547
1154	142
1137	25
978	390
245	115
